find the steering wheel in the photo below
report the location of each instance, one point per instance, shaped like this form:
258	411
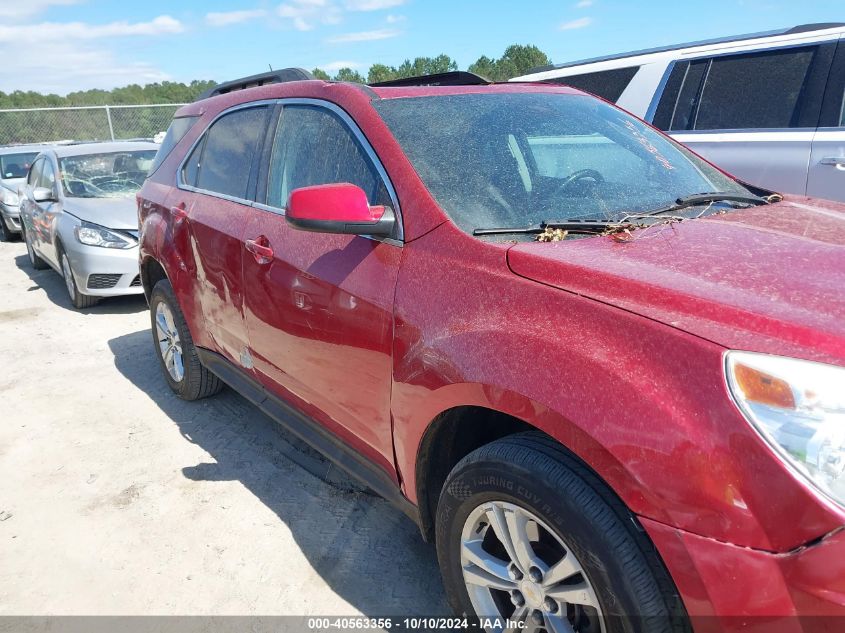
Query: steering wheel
581	174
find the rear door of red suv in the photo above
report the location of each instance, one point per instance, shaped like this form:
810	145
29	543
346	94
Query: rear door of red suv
213	205
320	308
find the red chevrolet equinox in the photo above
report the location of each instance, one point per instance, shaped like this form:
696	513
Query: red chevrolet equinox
604	377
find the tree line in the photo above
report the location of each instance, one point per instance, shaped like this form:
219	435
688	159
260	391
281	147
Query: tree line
516	60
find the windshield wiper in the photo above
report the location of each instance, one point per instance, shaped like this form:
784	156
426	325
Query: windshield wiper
703	198
571	226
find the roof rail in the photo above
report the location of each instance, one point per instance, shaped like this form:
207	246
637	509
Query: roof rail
453	78
803	28
280	76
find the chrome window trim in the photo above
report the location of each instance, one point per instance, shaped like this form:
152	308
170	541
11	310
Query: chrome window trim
181	184
658	94
661	87
347	120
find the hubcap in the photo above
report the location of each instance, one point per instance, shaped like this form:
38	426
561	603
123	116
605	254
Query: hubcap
169	343
68	275
516	567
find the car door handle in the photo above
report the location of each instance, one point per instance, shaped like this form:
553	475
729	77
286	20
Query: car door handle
260	249
834	161
179	214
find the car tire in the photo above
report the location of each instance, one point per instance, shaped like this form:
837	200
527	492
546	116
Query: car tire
528	485
34	260
185	374
5	234
79	300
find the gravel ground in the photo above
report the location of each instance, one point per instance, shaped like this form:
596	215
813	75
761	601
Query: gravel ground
117	498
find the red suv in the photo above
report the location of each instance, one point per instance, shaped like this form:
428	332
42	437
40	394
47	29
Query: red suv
606	378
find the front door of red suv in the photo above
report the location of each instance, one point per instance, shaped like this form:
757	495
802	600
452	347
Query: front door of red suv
212	208
319	307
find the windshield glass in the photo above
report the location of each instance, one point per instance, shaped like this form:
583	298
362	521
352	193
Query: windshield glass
112	175
507	160
16	165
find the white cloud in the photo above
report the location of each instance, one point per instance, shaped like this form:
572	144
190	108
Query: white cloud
372	5
580	23
584	4
395	19
333	67
65	57
365	36
82	67
226	18
18	9
64	31
304	15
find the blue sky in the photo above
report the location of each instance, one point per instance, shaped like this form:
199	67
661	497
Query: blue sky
64	45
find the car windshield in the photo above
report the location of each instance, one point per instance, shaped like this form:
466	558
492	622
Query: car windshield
16	165
110	175
518	159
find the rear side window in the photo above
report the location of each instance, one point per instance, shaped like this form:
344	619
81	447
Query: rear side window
754	91
748	91
607	84
191	168
229	147
313	146
177	130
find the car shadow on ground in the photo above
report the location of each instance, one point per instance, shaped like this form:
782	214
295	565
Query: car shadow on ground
367	551
53	285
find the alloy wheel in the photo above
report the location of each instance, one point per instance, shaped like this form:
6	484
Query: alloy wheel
169	343
515	567
68	275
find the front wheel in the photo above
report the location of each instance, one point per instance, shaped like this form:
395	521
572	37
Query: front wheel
79	300
525	533
175	348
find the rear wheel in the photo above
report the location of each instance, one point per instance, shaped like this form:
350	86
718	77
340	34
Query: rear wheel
527	533
175	348
34	260
79	300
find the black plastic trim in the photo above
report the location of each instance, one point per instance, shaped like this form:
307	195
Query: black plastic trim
454	78
281	76
311	432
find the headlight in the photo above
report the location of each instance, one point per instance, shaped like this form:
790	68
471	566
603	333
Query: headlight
94	235
799	408
10	198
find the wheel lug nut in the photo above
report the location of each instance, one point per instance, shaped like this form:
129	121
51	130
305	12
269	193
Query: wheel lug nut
550	605
537	617
535	574
514	573
517	598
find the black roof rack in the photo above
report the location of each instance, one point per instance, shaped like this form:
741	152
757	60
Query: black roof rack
803	28
454	78
280	76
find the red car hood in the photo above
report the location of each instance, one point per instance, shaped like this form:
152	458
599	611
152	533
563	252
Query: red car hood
769	279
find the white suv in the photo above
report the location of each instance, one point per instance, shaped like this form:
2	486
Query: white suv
767	107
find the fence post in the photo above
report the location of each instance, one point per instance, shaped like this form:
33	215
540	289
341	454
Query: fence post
111	127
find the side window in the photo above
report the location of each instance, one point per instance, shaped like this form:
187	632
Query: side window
230	145
47	178
842	113
608	84
177	130
754	91
35	173
192	165
313	146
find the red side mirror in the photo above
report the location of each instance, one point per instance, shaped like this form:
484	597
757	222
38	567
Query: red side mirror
338	208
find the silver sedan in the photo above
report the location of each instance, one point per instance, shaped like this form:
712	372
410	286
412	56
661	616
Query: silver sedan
79	216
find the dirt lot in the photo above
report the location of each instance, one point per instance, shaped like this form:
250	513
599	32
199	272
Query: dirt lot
118	498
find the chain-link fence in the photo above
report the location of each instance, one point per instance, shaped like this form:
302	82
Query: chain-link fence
93	123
